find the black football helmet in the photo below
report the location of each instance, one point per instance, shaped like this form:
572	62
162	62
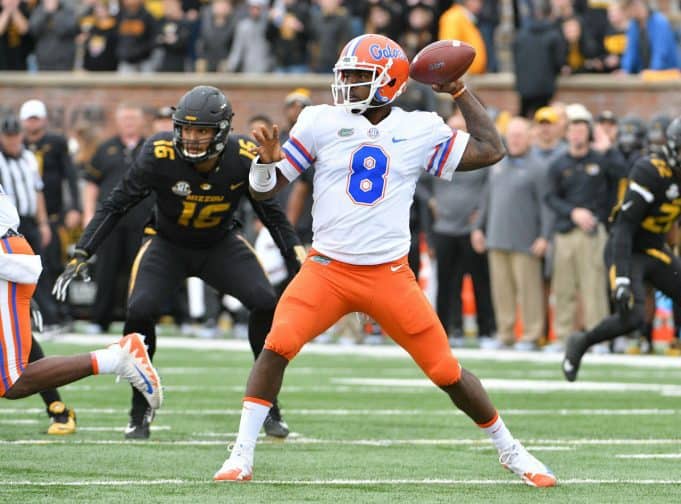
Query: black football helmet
671	149
202	106
631	135
657	129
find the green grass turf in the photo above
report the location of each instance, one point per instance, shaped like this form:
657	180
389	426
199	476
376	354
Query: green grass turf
203	393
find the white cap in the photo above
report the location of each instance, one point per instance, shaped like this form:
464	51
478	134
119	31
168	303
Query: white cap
33	108
576	112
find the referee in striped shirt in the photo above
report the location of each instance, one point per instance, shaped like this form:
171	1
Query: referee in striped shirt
21	181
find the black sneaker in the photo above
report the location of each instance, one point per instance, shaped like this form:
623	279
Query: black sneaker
274	424
574	351
139	426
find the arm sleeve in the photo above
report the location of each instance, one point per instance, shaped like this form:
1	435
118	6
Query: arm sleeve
92	170
445	150
133	188
274	219
635	205
299	150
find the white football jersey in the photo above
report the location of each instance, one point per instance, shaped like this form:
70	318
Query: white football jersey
365	176
9	217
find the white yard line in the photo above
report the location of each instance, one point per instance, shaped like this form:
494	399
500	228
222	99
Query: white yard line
364	412
463	354
525	386
343	482
650	456
350	442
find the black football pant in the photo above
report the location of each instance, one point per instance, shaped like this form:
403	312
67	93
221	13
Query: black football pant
658	268
230	267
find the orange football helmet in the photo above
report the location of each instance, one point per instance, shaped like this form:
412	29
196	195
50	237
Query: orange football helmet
381	56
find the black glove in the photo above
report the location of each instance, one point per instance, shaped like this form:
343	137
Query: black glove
77	267
36	317
294	258
623	296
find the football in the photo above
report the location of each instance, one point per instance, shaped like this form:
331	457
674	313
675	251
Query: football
442	61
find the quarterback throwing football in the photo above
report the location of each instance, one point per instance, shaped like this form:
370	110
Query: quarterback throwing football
368	156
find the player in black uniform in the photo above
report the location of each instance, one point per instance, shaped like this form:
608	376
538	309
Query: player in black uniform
636	252
199	174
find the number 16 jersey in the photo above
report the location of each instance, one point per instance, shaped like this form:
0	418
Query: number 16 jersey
365	176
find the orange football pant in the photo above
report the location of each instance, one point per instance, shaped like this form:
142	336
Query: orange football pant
15	319
324	290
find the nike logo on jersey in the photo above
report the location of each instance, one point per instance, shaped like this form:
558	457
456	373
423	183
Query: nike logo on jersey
627	205
232	187
396	268
398	140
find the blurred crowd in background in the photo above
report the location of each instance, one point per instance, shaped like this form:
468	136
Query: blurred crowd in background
298	36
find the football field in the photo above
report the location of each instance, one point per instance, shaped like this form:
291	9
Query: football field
366	427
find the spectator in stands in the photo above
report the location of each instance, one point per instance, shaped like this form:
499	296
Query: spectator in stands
54	27
615	39
333	27
98	38
136	38
455	209
215	36
419	30
651	43
459	22
537	58
580	184
514	226
173	36
488	20
250	50
15	39
580	49
383	18
289	33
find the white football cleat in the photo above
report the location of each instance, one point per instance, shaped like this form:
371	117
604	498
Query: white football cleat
135	366
235	468
518	460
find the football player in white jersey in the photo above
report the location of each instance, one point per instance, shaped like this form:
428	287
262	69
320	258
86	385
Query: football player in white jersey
19	272
368	156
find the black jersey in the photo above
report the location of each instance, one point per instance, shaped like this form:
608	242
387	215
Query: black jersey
650	207
54	163
192	209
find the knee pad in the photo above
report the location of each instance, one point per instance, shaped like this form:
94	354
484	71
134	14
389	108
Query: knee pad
284	340
444	372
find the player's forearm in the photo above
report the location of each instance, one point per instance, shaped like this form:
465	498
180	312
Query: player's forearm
263	195
485	146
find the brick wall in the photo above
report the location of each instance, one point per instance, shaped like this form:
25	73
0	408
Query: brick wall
70	96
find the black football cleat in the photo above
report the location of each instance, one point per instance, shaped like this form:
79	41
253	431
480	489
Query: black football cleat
574	351
139	427
274	425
